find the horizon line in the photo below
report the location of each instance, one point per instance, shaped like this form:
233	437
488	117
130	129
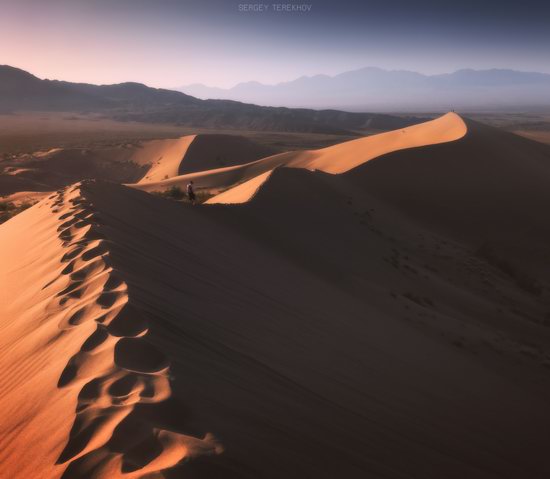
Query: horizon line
177	88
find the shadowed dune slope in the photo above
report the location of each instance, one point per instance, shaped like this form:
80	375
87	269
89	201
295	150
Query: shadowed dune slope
334	159
194	153
210	151
323	329
489	188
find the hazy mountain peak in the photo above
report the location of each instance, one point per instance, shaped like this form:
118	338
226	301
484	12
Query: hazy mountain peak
373	88
21	91
9	72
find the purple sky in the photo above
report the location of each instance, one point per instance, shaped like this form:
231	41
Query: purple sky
169	43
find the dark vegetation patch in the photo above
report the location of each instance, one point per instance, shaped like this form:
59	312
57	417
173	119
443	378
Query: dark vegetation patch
177	194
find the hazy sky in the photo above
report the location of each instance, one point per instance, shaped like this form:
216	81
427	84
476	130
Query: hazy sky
169	43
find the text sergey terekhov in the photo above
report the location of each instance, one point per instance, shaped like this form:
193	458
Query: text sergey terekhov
274	7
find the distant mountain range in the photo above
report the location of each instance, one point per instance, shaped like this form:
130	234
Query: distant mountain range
399	90
22	91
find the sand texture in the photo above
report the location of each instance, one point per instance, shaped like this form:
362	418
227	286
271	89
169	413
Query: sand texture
375	309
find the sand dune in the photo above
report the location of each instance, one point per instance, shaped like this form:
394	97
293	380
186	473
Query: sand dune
210	151
242	192
196	153
51	170
390	320
166	156
334	159
100	363
144	162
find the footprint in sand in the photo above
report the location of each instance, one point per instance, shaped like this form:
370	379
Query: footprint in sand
72	254
67	224
66	237
72	289
138	355
94	252
65	216
98	337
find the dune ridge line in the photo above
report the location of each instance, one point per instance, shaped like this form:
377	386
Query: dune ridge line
346	156
116	367
239	183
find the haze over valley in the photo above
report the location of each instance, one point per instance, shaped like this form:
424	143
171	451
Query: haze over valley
370	89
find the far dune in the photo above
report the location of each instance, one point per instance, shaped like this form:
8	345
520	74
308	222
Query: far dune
171	158
165	157
143	162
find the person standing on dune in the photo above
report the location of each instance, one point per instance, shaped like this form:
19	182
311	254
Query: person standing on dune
191	192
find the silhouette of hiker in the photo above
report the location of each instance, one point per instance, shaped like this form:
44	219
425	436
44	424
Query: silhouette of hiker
191	192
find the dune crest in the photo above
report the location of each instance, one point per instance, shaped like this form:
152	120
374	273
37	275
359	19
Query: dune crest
243	192
350	154
111	366
334	159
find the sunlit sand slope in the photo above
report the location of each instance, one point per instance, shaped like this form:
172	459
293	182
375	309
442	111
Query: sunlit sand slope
242	192
79	373
324	329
